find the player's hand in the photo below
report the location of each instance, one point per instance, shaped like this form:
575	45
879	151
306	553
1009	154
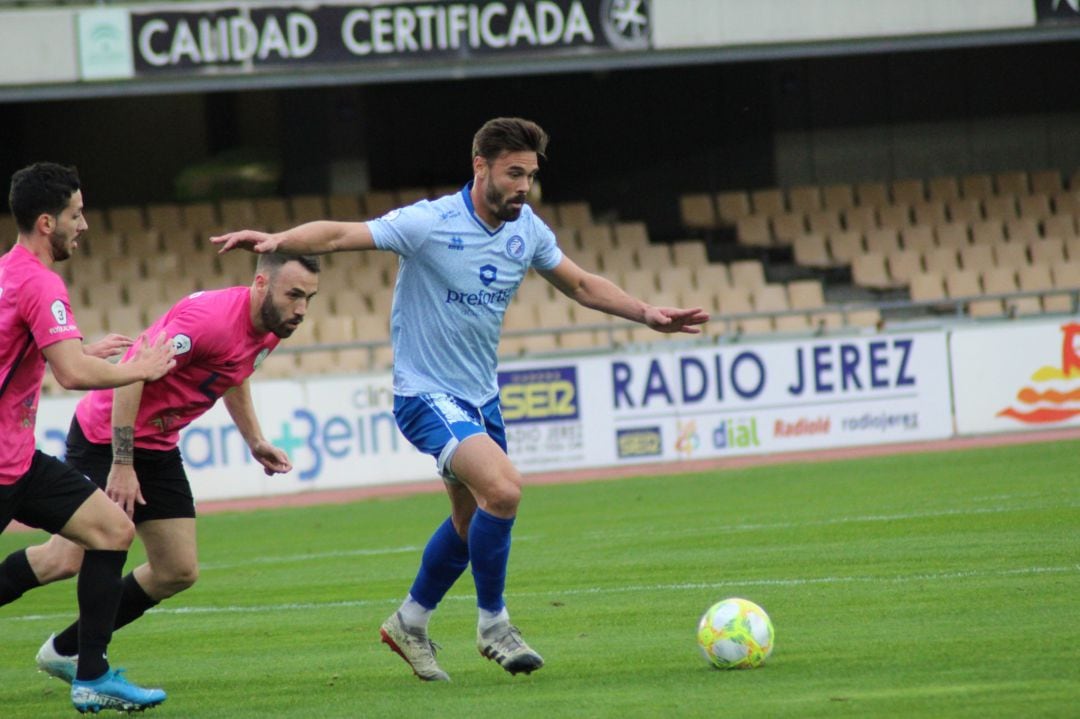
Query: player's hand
673	319
108	346
252	240
154	357
273	459
123	488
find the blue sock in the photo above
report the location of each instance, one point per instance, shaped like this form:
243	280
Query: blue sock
489	551
445	558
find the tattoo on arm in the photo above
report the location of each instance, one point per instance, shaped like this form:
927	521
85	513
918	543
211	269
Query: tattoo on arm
123	445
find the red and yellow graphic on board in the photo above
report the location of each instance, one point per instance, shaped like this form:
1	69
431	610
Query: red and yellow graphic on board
1056	395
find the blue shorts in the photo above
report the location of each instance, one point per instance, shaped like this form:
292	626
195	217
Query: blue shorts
437	423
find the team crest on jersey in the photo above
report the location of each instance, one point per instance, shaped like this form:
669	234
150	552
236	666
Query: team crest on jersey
488	274
59	312
515	247
182	344
260	357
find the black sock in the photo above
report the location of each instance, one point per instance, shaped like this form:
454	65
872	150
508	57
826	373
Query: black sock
134	602
99	596
16	577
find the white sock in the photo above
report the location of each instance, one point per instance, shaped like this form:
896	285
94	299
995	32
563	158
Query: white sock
490	619
414	614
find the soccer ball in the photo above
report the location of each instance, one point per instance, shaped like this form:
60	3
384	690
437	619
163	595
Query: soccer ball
735	634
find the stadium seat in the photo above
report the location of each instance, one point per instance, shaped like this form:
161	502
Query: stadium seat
966	283
378	202
653	256
343	207
689	253
811	250
845	246
575	214
1036	207
768	202
1066	275
125	319
1002	207
930	212
1012	183
640	283
126	219
786	227
1050	250
703	298
732	205
978	186
1060	225
712	277
869	317
125	268
675	279
272	213
1022	229
838	196
747	273
977	257
102	294
942	188
927	287
987	232
871	270
804	198
1067	203
826	221
307	208
411	195
872	194
144	292
964	209
860	219
200	215
941	259
1011	254
630	235
883	240
1037	277
917	237
1072	248
696	211
1045	182
908	191
753	231
904	265
896	215
952	234
597	237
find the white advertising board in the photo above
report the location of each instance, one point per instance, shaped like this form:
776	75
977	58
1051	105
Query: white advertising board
1017	376
666	405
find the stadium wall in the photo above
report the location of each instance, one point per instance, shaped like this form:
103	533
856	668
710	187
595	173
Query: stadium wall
675	403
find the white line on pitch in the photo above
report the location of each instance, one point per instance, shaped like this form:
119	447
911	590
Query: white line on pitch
782	582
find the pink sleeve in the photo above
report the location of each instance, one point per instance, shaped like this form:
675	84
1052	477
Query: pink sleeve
191	329
48	311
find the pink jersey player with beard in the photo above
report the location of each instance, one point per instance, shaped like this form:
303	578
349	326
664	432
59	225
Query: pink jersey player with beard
34	313
217	348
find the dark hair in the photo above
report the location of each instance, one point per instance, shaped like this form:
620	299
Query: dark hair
271	261
43	188
509	134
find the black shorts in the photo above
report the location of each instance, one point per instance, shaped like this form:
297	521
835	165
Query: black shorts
46	496
162	479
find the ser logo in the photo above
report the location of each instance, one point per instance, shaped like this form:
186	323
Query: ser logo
639	442
539	395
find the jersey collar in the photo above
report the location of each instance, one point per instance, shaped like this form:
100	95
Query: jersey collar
466	195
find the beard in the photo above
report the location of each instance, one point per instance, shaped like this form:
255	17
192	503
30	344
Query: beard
60	245
500	207
275	322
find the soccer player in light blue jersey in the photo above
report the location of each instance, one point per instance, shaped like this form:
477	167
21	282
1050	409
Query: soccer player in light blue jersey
462	258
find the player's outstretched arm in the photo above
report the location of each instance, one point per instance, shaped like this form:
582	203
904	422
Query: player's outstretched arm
599	293
312	238
242	410
74	369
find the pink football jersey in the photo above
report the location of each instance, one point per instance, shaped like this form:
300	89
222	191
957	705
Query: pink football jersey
34	313
217	348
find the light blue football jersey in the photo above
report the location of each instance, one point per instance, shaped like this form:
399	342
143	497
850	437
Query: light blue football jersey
455	279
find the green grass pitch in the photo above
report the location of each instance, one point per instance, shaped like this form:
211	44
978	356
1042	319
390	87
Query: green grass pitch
937	584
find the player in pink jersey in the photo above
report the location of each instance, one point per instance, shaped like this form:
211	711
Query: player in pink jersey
37	325
126	440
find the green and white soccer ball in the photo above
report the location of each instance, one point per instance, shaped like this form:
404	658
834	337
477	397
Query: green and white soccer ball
735	634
